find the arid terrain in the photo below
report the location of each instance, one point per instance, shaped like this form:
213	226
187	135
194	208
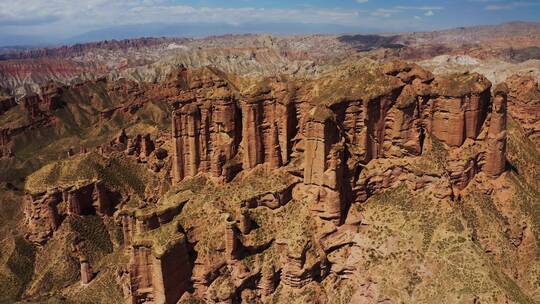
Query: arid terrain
395	168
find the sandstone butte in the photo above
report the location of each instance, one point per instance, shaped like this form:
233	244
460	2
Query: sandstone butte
223	189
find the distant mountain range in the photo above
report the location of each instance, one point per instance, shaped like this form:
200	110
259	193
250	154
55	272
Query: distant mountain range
180	30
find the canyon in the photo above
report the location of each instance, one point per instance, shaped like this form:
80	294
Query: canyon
237	180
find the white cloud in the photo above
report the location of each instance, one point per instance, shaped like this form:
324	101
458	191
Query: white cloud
389	12
65	18
420	8
417	17
509	5
384	12
74	16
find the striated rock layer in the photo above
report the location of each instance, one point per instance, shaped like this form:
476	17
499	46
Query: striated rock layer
256	190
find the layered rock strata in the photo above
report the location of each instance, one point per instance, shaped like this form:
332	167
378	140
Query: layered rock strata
459	107
205	139
323	156
264	176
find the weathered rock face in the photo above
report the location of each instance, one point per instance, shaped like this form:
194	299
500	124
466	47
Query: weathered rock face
267	283
496	149
268	180
321	135
42	217
5	150
31	106
294	274
268	126
459	107
524	104
50	97
36	105
86	271
44	212
216	133
323	158
159	278
206	139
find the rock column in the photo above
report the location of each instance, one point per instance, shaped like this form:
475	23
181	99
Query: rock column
178	151
231	243
496	150
253	146
323	170
321	134
86	271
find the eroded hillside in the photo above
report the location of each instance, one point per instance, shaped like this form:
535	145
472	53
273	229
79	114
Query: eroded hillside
371	183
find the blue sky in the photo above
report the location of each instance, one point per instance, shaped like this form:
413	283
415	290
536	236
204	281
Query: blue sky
54	20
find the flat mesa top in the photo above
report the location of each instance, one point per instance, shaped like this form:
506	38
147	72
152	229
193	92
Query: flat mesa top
361	80
459	84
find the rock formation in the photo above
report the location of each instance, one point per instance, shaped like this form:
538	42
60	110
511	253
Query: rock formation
159	277
86	271
459	107
206	139
524	104
496	153
43	215
269	178
323	158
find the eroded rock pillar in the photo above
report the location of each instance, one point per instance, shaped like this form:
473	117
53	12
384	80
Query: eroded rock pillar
86	271
496	149
178	150
252	143
323	168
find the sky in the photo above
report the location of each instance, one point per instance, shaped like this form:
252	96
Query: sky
57	21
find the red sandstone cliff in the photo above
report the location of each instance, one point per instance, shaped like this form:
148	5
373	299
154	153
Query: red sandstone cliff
265	174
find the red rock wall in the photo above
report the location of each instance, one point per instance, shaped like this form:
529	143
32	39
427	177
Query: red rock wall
496	150
141	274
206	139
453	119
41	216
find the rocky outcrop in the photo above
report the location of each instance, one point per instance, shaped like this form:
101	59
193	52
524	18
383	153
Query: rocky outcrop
159	278
38	105
524	104
86	271
325	147
210	133
458	107
296	272
50	97
31	106
135	223
205	138
44	214
231	241
268	125
42	217
323	168
5	149
268	281
496	145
